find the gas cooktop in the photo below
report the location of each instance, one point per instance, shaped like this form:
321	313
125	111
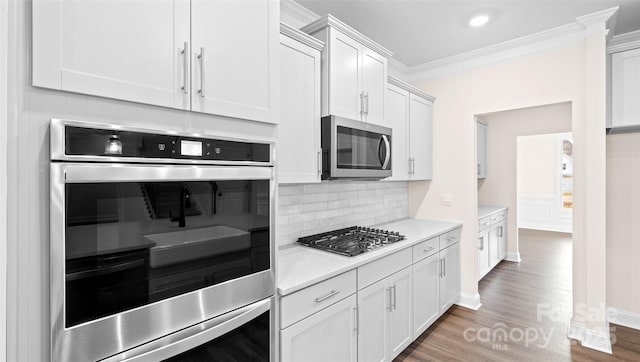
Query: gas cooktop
351	241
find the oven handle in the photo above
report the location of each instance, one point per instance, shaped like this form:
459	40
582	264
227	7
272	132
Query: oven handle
103	271
387	152
194	336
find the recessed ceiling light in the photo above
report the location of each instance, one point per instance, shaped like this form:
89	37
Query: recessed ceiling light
478	20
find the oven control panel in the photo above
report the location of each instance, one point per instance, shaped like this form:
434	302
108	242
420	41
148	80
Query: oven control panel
80	141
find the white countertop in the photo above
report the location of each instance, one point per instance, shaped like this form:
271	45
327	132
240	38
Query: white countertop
486	210
300	266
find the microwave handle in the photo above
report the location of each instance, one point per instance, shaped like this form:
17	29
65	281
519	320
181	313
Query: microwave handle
387	153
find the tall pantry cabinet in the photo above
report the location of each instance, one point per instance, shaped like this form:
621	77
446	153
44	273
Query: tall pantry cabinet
215	57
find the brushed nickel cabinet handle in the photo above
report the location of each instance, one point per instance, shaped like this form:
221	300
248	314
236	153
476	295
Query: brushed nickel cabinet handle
356	328
394	297
185	68
201	58
362	103
481	243
323	298
366	102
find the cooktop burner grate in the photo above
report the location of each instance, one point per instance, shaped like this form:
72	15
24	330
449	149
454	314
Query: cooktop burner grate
351	241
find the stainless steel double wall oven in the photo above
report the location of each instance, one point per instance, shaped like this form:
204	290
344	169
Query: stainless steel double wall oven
161	245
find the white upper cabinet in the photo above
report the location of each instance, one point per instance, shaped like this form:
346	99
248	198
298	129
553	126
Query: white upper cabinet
152	52
481	167
113	49
299	130
420	127
408	111
232	57
625	89
354	71
396	116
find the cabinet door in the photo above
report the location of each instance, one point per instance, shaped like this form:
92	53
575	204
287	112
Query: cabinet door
234	52
493	246
111	49
345	58
625	88
396	116
483	253
299	129
373	315
482	151
426	296
374	83
400	329
329	335
420	137
450	279
502	240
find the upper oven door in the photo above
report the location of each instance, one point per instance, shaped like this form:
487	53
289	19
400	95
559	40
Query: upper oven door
140	251
358	149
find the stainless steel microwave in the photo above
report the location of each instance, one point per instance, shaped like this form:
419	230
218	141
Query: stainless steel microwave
354	150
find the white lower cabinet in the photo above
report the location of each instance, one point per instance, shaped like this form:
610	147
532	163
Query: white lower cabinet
329	335
398	297
426	293
449	277
384	314
492	241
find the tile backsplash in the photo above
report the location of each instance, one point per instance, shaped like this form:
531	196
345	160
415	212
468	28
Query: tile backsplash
314	208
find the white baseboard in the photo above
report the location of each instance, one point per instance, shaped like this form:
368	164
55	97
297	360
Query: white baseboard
469	301
596	340
515	257
624	318
576	330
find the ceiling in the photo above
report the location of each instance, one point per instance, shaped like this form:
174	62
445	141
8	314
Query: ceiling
420	31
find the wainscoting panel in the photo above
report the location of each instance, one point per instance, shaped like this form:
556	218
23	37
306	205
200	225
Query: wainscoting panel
543	213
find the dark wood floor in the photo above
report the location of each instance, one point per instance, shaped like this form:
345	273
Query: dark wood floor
511	296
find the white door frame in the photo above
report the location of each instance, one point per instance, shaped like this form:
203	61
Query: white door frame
4	45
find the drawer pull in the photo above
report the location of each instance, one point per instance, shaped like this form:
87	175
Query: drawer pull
331	294
429	249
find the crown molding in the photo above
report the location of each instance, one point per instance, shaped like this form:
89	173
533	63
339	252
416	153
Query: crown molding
622	42
330	21
587	25
398	68
598	21
411	89
295	14
547	39
304	38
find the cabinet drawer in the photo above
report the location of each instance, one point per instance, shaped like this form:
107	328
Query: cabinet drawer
498	216
425	249
305	302
382	268
484	223
449	238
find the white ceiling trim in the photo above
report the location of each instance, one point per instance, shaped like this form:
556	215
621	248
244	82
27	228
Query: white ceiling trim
547	39
293	33
544	40
622	42
295	14
331	21
411	89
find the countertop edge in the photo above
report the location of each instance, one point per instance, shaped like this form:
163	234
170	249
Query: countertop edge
489	210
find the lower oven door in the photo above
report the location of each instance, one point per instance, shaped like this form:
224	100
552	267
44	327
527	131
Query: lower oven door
240	335
139	252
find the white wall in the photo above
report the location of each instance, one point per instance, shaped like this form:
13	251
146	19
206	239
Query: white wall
623	222
539	164
503	130
28	176
572	73
314	208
